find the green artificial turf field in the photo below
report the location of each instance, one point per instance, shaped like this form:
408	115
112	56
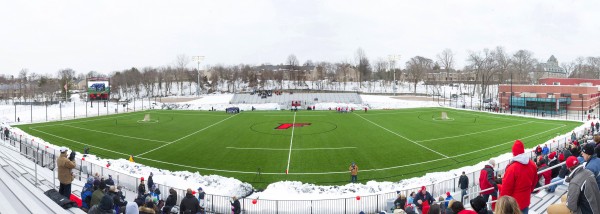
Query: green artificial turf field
387	145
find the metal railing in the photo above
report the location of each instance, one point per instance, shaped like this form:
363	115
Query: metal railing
220	204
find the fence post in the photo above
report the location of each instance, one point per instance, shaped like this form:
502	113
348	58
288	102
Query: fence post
454	185
345	205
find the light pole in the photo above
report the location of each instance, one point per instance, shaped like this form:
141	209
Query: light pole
393	58
198	59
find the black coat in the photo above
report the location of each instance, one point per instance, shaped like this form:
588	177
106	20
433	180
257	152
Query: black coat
189	204
556	170
150	182
171	200
463	182
237	208
419	196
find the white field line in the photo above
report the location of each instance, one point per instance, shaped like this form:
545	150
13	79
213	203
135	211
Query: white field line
298	115
216	115
74	141
305	149
291	140
473	133
83	121
402	112
506	117
409	140
108	133
193	133
308	173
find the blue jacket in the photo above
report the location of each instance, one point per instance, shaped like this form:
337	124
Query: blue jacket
594	165
86	192
545	150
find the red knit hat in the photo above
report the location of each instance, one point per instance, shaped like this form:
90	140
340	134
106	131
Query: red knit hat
572	161
518	148
142	178
448	194
423	188
561	157
552	155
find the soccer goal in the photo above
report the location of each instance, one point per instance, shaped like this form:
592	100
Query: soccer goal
444	116
147	118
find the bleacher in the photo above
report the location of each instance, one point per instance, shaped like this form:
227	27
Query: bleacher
19	191
284	99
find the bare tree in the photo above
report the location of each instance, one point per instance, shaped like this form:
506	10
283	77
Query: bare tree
503	61
292	63
446	60
416	68
568	67
363	66
522	63
485	65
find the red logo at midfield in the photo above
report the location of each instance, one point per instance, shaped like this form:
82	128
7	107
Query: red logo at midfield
290	125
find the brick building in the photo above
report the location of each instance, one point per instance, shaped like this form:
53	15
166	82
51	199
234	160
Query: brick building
550	99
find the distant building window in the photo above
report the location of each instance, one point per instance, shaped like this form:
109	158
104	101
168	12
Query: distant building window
556	83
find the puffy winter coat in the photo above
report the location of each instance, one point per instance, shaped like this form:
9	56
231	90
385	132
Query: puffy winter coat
556	170
463	182
519	180
583	193
172	199
189	204
86	195
423	197
594	165
237	208
545	177
487	179
64	169
96	197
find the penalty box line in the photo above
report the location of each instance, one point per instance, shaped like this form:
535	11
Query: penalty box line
193	133
409	140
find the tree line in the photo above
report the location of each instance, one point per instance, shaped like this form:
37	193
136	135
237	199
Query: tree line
488	66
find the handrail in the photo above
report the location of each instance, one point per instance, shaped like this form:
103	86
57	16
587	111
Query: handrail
473	193
550	168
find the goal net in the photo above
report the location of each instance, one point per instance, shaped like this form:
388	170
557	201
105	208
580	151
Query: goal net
444	116
146	118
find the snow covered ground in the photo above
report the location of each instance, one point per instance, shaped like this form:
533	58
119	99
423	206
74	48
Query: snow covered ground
218	185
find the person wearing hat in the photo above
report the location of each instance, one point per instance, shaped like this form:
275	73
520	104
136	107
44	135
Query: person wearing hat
592	162
487	181
150	182
141	188
65	174
110	181
201	195
104	207
353	173
561	174
583	193
553	161
86	194
423	198
171	201
117	200
98	193
520	177
189	204
448	199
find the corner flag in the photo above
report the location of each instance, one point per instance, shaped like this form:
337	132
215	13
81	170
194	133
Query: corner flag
131	159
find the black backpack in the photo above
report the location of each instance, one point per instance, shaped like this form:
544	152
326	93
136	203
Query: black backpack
59	199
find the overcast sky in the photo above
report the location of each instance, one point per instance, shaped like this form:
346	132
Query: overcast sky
105	36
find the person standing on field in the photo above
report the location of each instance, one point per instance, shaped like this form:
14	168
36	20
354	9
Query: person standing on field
353	173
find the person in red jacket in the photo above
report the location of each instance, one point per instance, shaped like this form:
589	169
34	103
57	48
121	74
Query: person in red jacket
487	180
520	177
544	178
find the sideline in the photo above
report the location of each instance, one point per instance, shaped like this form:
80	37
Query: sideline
305	149
291	140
